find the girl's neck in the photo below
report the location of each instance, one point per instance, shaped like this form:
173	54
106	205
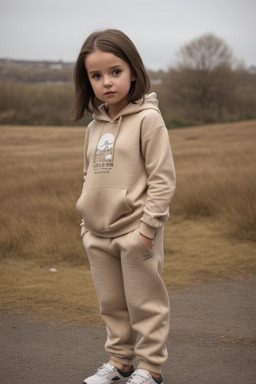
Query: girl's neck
112	114
114	109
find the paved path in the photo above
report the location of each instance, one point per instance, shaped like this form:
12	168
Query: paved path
212	341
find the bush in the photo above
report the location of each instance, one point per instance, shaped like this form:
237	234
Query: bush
36	104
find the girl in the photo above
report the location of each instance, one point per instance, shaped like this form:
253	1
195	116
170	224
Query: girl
129	180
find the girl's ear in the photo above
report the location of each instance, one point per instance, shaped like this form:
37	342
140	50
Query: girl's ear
133	78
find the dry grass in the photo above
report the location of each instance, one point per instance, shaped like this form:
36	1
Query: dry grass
40	182
216	168
210	237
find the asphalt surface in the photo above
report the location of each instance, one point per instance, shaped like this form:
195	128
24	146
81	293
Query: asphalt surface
212	341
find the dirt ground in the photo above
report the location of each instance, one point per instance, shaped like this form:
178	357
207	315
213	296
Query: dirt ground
212	340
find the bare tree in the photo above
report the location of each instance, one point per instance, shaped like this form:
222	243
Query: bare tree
203	80
205	53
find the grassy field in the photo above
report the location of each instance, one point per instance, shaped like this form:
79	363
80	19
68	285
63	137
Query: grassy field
211	235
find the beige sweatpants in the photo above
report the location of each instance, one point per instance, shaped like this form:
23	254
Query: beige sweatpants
134	303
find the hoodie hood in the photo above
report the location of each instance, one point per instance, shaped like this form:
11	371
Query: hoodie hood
150	102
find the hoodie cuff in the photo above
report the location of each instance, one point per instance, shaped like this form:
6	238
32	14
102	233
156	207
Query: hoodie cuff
83	228
147	231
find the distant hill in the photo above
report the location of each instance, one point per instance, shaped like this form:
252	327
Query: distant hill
35	71
36	63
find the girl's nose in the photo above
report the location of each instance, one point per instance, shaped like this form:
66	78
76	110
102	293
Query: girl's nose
107	81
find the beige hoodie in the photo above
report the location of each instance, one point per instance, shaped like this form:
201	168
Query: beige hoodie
129	175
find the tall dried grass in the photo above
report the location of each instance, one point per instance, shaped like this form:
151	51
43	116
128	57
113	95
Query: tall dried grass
40	182
216	173
41	179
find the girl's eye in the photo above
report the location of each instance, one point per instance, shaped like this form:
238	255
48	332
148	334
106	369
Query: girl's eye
96	76
116	72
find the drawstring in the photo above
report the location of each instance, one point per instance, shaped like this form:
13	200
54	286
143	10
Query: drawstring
117	133
103	125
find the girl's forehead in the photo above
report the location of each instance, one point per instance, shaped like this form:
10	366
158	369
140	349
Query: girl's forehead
98	60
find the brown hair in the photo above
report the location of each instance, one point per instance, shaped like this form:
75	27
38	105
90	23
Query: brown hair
116	42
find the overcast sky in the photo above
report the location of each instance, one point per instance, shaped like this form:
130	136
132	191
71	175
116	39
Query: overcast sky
56	29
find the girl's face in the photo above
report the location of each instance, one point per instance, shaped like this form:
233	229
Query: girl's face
110	78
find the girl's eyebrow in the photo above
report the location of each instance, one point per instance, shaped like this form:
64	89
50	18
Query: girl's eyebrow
116	66
113	67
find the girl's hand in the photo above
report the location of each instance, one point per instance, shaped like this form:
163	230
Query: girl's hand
148	242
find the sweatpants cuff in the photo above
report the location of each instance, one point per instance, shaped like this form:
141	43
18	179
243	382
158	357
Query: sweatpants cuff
122	360
150	367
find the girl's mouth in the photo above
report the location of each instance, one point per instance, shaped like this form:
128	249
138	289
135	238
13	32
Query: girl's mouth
109	93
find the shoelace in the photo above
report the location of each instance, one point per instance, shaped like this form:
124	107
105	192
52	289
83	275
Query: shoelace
105	369
138	377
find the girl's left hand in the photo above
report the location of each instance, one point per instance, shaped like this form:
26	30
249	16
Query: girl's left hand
148	242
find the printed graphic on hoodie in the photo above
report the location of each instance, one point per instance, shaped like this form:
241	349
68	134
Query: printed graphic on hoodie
104	152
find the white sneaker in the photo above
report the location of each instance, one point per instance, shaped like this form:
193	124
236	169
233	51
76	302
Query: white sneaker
108	374
142	376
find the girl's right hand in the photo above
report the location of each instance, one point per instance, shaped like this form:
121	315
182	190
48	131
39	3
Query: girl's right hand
148	242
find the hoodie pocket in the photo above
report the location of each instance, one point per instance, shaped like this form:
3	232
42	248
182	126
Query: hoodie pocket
103	208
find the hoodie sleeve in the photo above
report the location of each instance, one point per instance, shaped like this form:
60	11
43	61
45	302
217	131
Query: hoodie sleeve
161	181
